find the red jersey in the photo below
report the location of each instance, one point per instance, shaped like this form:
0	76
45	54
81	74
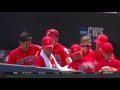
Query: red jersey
75	64
89	53
87	64
111	63
60	53
39	61
97	55
17	56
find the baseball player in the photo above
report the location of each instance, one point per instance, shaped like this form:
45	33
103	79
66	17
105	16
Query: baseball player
85	43
60	52
97	55
25	53
83	64
45	58
109	64
101	38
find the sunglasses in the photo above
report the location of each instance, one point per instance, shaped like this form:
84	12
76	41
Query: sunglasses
88	45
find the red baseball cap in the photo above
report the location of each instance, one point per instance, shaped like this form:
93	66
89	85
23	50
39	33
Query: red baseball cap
47	41
107	47
52	32
102	38
75	49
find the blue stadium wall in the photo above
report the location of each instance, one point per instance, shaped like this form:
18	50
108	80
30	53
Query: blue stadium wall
71	26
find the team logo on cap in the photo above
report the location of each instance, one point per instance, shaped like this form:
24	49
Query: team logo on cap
109	51
48	41
75	49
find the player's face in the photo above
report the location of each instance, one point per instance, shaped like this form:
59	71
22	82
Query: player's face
77	56
107	55
55	39
98	46
25	46
48	50
85	46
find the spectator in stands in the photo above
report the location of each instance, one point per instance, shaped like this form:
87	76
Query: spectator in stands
60	52
25	53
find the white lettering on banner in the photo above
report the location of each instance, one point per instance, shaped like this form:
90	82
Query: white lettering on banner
94	31
89	31
83	32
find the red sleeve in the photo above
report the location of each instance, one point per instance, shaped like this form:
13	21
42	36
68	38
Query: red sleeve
37	53
98	67
39	62
65	53
72	65
11	58
36	47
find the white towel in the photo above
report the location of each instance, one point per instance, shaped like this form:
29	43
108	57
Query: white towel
47	61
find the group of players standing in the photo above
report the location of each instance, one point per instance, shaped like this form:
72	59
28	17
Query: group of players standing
51	54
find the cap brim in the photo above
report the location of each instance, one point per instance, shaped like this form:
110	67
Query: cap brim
105	51
53	35
76	53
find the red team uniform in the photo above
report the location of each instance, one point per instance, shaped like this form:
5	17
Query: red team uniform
16	56
39	61
60	53
42	59
75	64
86	64
99	57
89	53
107	50
111	63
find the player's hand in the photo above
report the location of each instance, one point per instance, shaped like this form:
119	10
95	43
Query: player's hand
65	68
108	69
